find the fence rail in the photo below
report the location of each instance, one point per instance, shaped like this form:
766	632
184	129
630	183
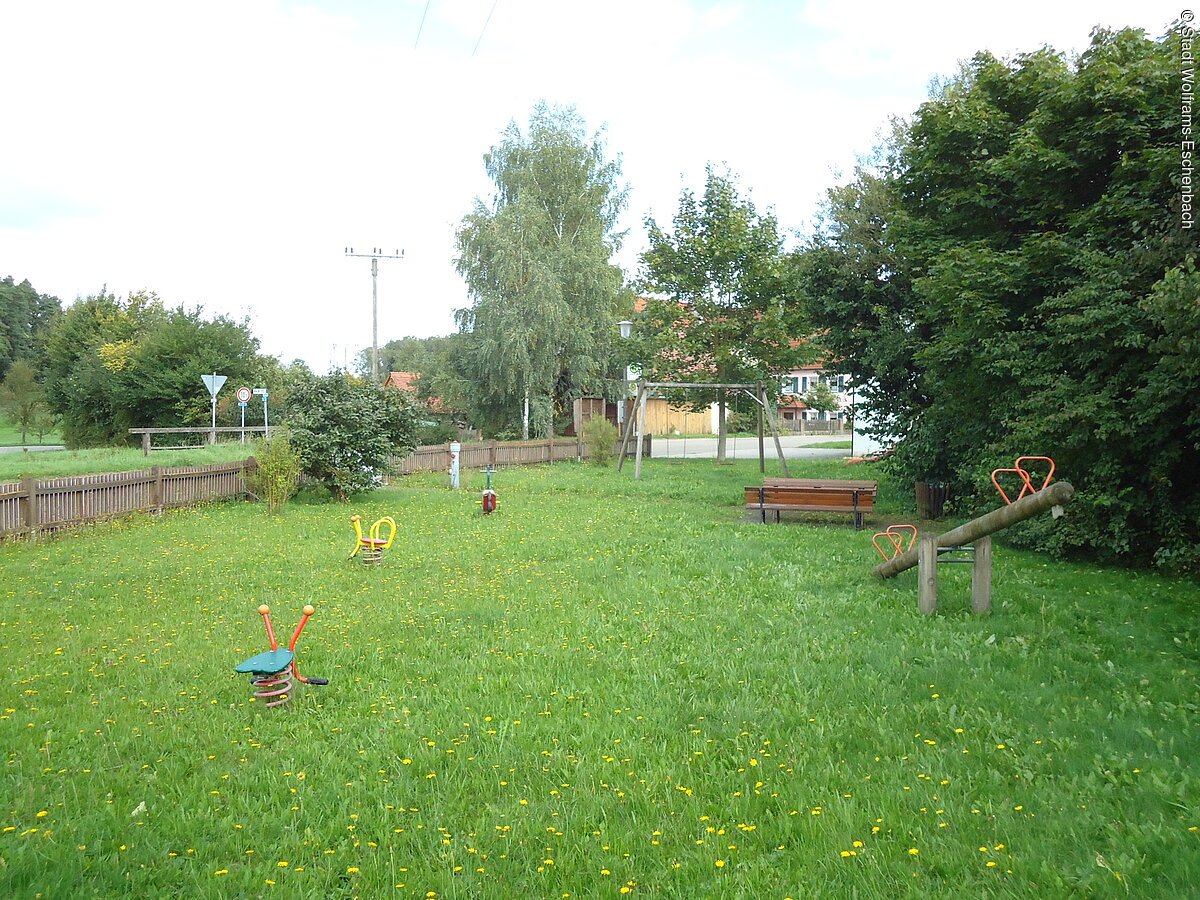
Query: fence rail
32	505
436	457
209	434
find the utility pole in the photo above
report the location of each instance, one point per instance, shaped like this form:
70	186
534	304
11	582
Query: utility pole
375	256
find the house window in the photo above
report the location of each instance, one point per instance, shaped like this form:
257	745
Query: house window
791	385
804	384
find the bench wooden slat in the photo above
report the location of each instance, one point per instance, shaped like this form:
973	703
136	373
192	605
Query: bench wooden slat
812	495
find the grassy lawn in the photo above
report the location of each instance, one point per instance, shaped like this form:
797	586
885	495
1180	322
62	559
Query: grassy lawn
827	445
607	688
55	463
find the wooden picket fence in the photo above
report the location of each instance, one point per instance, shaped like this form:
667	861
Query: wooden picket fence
436	457
34	505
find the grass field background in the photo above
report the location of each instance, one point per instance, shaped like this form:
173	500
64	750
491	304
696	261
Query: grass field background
10	435
59	463
608	688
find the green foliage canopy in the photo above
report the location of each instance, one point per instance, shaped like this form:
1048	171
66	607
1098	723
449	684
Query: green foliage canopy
724	311
346	430
116	364
26	318
536	260
1012	279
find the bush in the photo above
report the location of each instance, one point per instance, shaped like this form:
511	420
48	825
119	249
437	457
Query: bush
346	431
277	478
600	435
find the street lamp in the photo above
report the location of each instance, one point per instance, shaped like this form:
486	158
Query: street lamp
626	328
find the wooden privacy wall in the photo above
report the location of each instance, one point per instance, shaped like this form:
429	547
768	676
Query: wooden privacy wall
436	458
33	505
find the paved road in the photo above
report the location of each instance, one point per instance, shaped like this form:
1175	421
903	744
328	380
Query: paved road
747	447
19	449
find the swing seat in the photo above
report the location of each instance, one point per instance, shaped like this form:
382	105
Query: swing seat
270	662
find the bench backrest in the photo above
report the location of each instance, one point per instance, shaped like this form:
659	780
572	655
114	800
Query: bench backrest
842	498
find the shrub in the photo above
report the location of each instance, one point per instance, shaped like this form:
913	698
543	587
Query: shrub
277	478
347	430
600	435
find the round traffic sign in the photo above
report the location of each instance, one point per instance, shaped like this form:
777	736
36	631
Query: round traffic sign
243	394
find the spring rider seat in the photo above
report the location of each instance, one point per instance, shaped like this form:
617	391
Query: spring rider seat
373	545
272	672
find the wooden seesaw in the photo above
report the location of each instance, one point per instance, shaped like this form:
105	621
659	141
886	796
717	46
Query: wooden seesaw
973	539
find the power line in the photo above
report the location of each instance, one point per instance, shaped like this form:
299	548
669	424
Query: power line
485	25
421	27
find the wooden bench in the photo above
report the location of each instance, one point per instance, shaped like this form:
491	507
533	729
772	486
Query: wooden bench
812	495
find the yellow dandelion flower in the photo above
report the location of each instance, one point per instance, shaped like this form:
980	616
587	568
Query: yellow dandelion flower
913	851
720	863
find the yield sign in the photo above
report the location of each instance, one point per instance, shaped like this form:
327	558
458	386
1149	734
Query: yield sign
213	382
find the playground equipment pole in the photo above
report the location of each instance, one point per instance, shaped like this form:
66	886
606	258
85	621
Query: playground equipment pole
1057	494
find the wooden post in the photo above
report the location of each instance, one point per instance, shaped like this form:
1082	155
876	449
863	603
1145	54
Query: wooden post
551	437
578	447
28	503
762	452
156	488
630	412
981	577
775	434
641	425
492	454
927	574
146	443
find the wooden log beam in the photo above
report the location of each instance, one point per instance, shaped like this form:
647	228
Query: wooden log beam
1057	494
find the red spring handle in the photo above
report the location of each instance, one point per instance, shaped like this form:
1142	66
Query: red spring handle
308	611
265	612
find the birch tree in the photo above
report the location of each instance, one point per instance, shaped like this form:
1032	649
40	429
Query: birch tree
536	256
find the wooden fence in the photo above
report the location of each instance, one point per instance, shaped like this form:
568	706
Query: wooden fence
436	458
207	434
33	505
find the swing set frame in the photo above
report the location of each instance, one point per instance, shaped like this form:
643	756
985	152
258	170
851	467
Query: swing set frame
755	391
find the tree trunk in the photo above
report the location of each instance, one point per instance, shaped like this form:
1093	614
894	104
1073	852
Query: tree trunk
525	418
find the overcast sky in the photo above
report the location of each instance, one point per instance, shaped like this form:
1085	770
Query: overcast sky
224	154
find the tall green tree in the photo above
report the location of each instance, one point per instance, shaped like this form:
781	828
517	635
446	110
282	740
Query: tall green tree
725	312
1030	291
536	257
25	319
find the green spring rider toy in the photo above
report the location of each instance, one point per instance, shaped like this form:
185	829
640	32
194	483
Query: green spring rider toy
272	672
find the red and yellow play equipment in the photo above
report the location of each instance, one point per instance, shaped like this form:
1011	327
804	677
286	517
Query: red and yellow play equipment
273	672
373	544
